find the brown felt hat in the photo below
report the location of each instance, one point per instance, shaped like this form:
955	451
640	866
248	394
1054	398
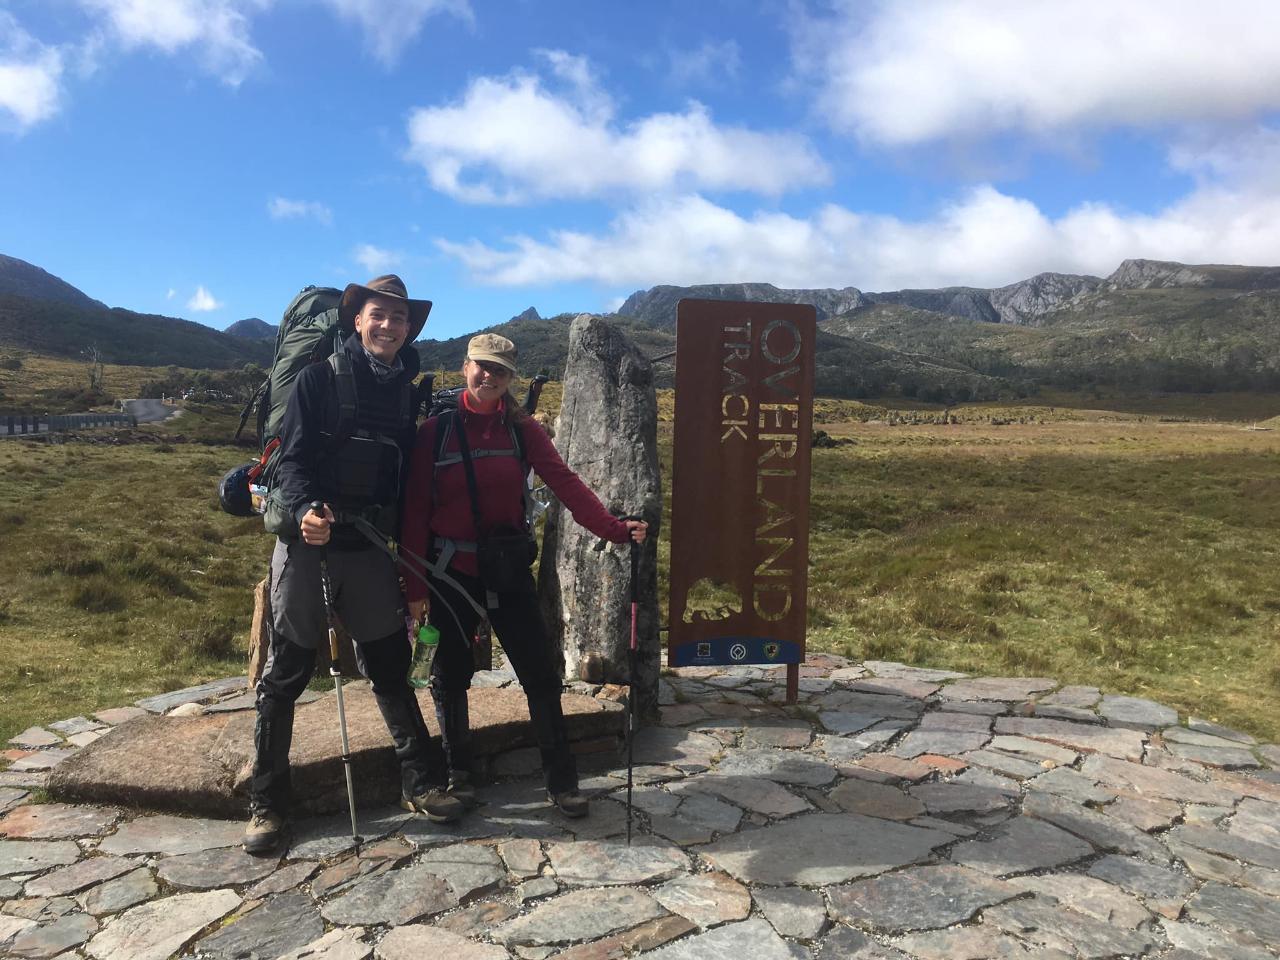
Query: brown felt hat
492	349
388	285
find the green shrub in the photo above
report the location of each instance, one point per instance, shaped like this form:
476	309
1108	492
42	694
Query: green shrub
99	595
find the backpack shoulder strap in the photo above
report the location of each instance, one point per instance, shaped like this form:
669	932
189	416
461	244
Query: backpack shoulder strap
345	382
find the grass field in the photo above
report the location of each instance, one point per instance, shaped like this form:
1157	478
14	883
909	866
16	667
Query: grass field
1107	547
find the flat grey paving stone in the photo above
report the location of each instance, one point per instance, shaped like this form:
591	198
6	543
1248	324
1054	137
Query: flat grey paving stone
171	835
42	760
705	899
284	923
794	912
86	873
1136	712
283	879
524	858
160	928
1257	820
1194	942
779	765
654	801
846	943
977	708
165	702
580	915
917	898
845	722
10	927
219	867
74	725
979	942
115	716
1196	725
1153	782
733	941
1270	754
135	887
1049	711
876	800
1073	696
838	749
1203	738
12	796
613	863
944	742
341	943
954	721
9	888
396	897
1041	920
1146	815
34	856
467	868
876	704
822	848
1229	758
750	793
897	686
419	940
1006	764
785	734
1104	832
1163	889
997	688
1084	737
1019	846
892	669
478	919
1238	911
33	738
667	745
1088	895
1226	844
30	779
536	889
246	701
950	797
50	939
1069	783
323	837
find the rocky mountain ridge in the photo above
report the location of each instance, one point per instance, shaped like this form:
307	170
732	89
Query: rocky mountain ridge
252	328
21	279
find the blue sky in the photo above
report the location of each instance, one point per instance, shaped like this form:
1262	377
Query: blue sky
207	158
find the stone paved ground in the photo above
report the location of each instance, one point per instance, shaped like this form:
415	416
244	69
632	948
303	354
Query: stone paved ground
893	813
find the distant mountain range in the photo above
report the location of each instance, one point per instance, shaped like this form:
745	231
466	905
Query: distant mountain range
1150	325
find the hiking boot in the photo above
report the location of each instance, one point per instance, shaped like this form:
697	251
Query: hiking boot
461	787
264	832
434	804
571	803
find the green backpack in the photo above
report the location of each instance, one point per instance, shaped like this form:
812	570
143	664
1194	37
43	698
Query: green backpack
309	333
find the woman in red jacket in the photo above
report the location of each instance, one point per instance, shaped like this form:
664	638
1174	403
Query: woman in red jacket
447	514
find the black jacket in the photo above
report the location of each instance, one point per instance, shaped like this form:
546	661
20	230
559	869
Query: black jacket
307	456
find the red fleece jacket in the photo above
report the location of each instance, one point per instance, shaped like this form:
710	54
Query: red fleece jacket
439	506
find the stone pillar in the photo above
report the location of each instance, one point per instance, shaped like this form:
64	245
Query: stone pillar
607	433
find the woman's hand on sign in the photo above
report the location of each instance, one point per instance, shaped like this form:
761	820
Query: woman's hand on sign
638	529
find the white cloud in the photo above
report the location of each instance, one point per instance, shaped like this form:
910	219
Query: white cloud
510	139
202	301
709	64
281	208
907	73
171	294
30	76
217	30
375	259
390	25
983	238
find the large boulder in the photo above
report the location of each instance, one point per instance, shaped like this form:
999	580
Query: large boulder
607	433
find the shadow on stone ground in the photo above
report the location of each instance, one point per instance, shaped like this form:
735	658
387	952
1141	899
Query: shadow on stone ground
894	812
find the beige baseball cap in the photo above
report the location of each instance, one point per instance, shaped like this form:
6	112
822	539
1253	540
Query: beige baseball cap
492	348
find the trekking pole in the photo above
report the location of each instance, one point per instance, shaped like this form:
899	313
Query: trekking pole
335	671
631	671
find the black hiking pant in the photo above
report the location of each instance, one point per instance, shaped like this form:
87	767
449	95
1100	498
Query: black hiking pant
517	623
289	667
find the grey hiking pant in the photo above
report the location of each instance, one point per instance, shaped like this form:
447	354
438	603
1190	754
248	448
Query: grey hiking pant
366	593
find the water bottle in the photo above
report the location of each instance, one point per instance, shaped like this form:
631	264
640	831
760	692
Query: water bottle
425	642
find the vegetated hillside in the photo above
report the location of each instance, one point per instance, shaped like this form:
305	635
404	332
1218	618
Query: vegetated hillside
22	279
121	336
252	328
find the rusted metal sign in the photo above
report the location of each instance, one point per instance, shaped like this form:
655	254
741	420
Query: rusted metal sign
740	482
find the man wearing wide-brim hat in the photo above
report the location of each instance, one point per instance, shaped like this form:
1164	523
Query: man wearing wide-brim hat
347	431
